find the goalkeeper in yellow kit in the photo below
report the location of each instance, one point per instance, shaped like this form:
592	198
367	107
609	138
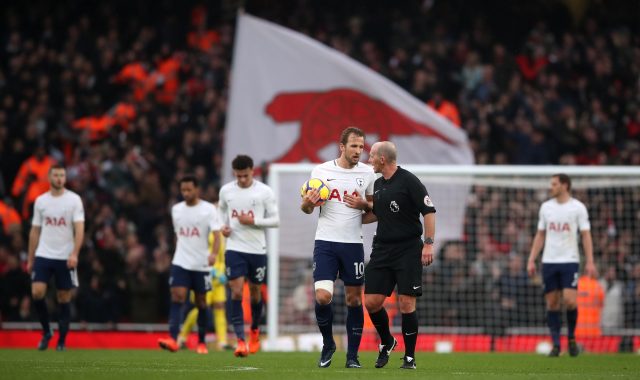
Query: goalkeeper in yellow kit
216	298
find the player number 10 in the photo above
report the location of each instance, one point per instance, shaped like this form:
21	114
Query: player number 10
359	268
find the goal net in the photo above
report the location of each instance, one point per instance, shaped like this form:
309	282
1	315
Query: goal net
477	295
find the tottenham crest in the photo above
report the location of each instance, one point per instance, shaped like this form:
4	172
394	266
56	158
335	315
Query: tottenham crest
360	182
394	206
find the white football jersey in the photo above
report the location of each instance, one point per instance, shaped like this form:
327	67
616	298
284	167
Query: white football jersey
338	222
259	200
192	225
561	223
55	216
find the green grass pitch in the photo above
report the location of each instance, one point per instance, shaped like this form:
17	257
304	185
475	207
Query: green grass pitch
156	365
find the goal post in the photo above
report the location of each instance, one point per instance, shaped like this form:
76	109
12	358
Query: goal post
486	219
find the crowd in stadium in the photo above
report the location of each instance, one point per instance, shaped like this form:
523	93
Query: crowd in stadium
131	104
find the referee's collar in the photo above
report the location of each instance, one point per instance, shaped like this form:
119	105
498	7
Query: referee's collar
392	175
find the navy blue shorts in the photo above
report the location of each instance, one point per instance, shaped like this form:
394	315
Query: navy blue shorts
560	276
250	265
333	260
44	268
199	281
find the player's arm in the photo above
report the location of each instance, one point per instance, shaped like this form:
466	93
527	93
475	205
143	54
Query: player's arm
538	241
271	218
224	215
536	247
423	203
587	245
429	235
369	217
587	242
34	238
78	238
78	234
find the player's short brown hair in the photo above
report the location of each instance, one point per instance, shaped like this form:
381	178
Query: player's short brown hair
564	179
344	136
56	167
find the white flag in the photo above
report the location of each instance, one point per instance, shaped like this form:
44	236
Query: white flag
291	96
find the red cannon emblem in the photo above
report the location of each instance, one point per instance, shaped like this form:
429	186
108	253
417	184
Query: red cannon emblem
323	115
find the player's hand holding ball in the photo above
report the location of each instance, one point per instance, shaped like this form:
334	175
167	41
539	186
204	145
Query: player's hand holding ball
314	192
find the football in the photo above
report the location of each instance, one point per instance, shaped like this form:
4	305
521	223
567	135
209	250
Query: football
315	183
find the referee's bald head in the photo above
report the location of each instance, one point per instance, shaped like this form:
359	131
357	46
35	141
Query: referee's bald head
388	150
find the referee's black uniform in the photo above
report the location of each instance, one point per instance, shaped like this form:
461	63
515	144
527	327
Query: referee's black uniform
398	204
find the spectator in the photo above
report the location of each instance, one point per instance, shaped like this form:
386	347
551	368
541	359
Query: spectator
613	308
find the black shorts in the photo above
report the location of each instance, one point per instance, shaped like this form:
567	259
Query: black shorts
395	264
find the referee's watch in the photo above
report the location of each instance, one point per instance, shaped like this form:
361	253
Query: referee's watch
428	241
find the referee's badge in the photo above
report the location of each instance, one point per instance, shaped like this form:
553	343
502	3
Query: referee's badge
427	201
394	206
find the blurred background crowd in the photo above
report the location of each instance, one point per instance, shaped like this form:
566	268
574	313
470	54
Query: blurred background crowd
131	95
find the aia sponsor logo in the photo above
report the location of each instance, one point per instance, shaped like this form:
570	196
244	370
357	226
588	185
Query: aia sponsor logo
559	227
189	232
335	194
55	222
235	213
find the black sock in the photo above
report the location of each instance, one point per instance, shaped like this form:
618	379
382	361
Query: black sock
237	318
380	321
572	319
324	317
174	319
202	324
43	314
555	323
355	321
63	322
256	314
410	333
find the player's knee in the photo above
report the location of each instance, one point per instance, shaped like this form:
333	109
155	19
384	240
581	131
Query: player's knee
38	290
323	298
236	295
37	294
324	292
353	300
373	305
64	296
406	308
570	304
255	297
407	305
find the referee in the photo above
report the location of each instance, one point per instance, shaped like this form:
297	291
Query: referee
399	199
